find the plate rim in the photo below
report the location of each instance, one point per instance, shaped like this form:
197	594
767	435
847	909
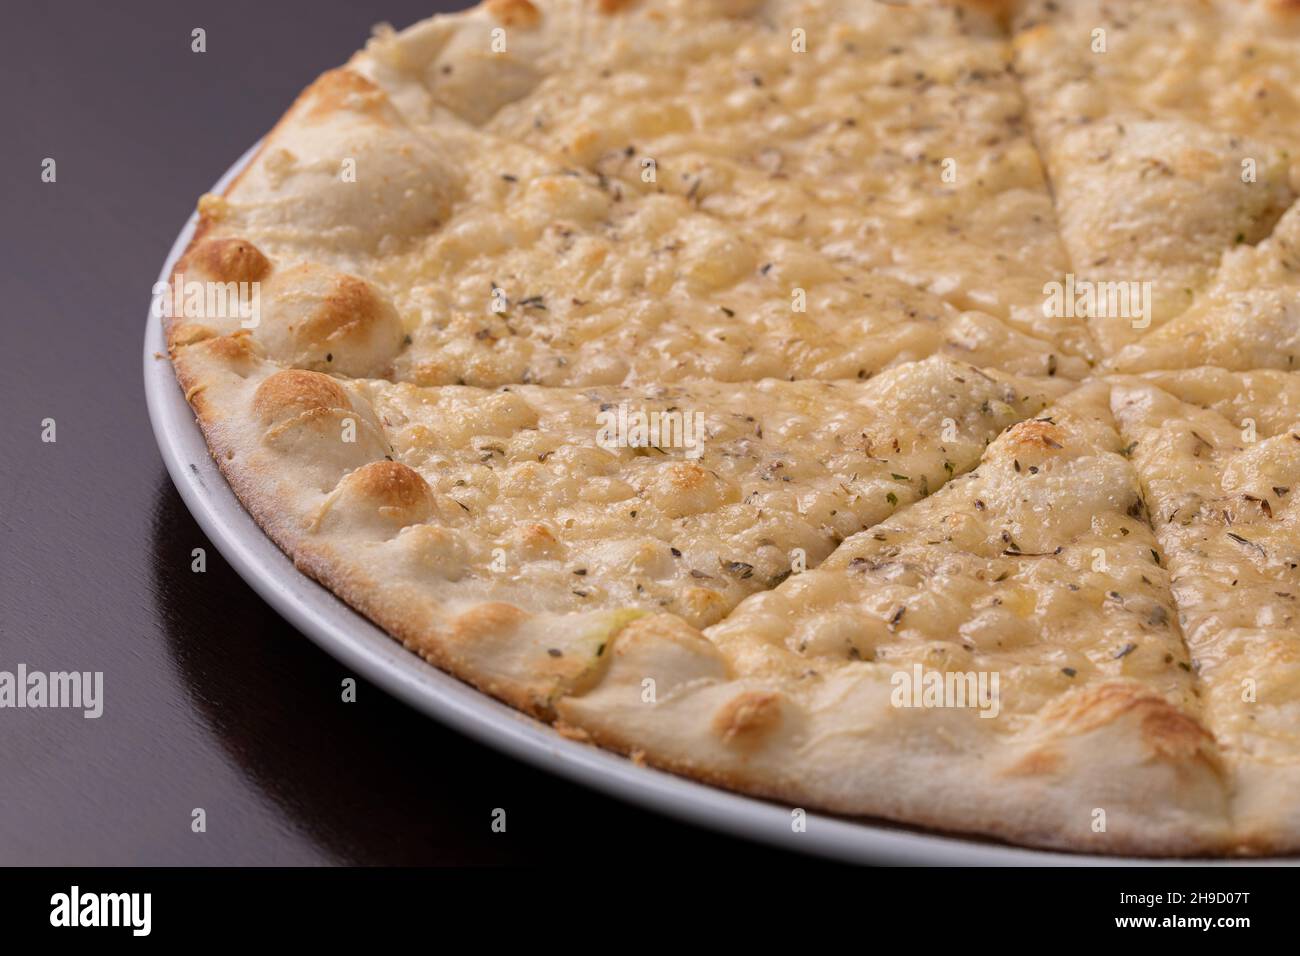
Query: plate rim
356	642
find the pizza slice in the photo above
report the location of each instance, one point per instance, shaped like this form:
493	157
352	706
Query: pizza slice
1219	456
1001	657
1248	318
888	135
1224	65
548	511
1154	182
464	259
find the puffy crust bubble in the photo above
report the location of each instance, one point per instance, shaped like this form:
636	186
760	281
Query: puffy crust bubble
379	499
319	319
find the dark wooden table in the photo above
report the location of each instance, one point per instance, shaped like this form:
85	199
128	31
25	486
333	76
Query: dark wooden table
211	700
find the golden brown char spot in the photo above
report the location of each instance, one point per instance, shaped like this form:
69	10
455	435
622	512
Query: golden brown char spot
1174	735
610	7
329	321
1036	434
377	501
294	392
537	541
237	349
661	627
211	208
685	476
390	484
342	89
1167	732
352	304
702	606
1000	10
1036	763
485	621
747	718
227	260
514	13
189	333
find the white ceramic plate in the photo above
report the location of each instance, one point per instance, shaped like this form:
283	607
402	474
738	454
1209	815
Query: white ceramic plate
366	649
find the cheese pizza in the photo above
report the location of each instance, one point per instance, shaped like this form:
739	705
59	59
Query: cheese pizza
887	408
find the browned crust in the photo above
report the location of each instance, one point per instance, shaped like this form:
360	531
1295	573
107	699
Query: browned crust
999	10
436	648
338	89
355	588
336	80
296	391
611	7
744	723
748	717
230	260
513	13
1006	827
1036	434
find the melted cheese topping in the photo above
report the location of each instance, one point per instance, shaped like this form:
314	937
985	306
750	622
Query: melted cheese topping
1146	141
1222	496
554	277
528	500
1038	566
1248	318
1226	65
519	268
887	135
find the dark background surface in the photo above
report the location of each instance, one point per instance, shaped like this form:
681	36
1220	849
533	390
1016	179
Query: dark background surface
211	700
